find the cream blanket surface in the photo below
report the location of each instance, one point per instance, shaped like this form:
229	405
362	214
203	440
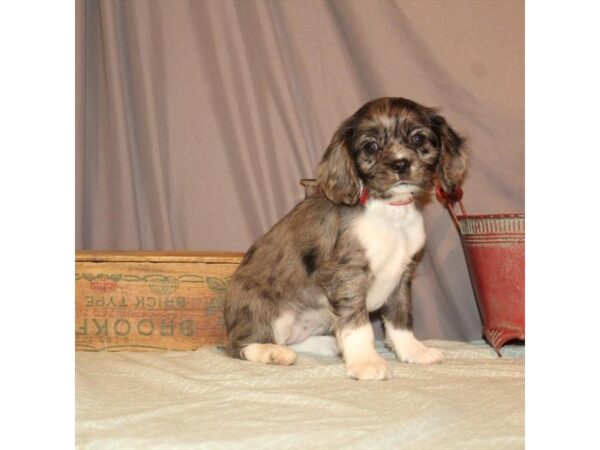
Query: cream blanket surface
204	400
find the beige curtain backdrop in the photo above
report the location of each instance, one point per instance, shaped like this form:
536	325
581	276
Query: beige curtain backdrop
196	119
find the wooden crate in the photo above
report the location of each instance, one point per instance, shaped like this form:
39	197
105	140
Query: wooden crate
149	301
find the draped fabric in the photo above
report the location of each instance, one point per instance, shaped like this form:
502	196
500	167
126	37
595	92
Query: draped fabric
197	119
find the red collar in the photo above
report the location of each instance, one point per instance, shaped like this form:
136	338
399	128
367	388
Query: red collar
365	193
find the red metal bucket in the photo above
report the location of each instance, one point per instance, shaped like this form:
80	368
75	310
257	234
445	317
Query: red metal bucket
494	247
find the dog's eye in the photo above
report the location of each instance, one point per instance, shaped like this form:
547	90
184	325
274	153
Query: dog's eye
418	139
371	148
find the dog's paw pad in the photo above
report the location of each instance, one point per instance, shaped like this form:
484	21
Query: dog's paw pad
377	369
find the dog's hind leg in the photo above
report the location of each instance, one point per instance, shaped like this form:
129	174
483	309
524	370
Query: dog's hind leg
264	344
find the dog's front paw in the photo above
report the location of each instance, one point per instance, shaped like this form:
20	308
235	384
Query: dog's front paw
372	369
421	354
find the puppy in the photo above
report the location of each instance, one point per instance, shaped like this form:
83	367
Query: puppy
349	249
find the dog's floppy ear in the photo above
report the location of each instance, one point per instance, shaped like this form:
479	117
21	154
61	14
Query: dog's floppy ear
336	173
452	160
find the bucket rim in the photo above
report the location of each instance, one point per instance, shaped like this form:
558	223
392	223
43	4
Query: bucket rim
491	216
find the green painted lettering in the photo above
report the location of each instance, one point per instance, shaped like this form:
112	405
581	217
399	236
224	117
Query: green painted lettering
124	330
82	330
187	327
101	329
167	328
148	325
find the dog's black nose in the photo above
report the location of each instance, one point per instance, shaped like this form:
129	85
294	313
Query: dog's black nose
402	166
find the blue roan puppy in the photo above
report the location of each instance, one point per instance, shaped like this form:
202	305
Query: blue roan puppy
351	248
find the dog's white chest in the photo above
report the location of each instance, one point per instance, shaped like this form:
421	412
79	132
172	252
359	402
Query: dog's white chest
391	235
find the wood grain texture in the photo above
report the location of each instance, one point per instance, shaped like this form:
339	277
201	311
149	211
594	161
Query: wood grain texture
158	256
154	301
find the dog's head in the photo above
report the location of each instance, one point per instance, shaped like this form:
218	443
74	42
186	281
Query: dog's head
393	147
